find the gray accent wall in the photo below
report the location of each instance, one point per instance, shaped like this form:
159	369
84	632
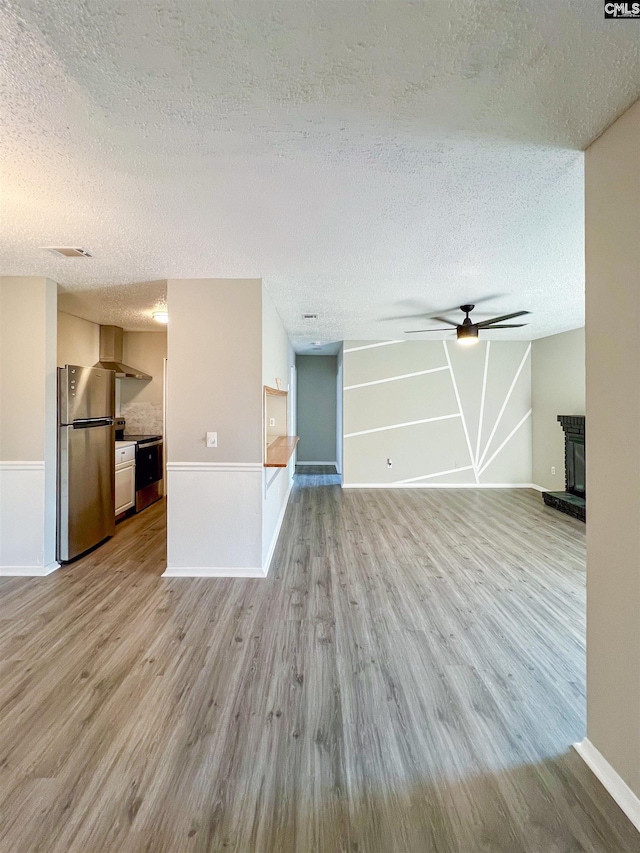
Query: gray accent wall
317	408
441	413
557	388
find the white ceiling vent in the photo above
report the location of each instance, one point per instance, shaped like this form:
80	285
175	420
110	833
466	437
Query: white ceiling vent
309	316
67	252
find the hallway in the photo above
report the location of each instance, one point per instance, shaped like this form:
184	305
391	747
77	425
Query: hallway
408	678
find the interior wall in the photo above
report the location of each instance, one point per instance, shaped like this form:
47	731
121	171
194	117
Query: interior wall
215	369
141	400
28	331
339	411
214	383
612	196
439	413
78	341
557	388
277	361
317	408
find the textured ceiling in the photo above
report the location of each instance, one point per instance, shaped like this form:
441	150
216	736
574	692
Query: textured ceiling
366	159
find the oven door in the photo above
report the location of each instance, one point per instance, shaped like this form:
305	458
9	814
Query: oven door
148	464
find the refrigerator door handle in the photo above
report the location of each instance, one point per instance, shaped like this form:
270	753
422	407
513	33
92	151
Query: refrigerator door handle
94	422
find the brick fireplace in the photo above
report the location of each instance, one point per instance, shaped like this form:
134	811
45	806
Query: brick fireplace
573	499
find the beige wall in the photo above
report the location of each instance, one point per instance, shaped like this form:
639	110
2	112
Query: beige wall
28	329
145	351
78	340
140	402
225	341
421	404
612	192
215	369
339	415
557	388
26	366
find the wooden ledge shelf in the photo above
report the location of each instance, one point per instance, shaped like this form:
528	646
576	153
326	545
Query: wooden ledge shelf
280	451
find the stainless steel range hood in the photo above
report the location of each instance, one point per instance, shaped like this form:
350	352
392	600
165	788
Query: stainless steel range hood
111	349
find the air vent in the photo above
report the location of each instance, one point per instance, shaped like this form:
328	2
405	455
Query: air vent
309	316
67	252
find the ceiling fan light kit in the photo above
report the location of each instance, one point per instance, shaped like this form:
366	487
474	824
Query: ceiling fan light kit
467	331
467	335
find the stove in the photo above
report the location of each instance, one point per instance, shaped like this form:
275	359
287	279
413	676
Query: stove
142	439
149	465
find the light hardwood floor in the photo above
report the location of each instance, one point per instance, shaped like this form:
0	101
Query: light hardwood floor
409	677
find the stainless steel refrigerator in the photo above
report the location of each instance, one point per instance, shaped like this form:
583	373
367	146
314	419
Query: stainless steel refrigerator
86	459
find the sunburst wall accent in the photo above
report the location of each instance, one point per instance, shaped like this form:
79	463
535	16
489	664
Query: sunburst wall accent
441	413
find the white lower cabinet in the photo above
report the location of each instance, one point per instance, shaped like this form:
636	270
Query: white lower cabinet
125	479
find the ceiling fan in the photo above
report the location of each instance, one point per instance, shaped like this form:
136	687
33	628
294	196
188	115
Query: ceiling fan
467	331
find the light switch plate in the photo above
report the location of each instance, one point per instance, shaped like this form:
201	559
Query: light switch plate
212	439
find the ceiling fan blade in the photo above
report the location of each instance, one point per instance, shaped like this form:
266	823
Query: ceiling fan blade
455	309
507	326
443	320
500	319
416	331
397	317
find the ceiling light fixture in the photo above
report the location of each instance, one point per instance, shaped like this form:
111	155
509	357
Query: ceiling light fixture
467	335
161	316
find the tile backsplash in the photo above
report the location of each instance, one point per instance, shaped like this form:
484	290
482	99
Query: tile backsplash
142	418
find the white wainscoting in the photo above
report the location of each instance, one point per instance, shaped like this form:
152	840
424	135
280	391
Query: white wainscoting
22	520
214	519
274	509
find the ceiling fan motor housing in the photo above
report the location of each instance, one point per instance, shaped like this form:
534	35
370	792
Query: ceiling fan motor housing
467	331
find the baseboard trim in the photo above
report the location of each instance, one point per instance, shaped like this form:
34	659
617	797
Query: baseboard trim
538	488
437	486
28	571
611	780
274	539
214	572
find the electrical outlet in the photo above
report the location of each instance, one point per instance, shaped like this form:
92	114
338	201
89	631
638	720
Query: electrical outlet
553	469
272	421
212	439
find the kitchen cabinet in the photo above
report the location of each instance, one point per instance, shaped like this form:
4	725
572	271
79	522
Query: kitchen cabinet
125	478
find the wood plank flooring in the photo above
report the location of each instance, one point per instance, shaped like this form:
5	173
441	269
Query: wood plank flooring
408	679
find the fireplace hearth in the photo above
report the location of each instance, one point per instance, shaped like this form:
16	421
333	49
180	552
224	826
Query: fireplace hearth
573	499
